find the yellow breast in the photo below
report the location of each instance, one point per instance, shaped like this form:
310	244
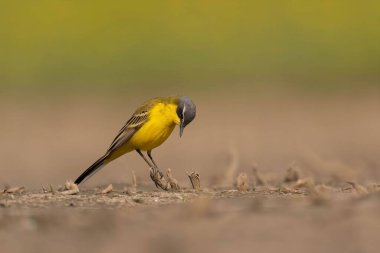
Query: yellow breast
160	124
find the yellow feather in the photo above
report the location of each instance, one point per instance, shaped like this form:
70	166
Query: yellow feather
162	120
160	124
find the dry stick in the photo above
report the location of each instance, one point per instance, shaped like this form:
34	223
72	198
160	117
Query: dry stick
242	182
359	189
131	190
303	182
195	180
292	174
108	189
18	189
52	189
134	180
172	181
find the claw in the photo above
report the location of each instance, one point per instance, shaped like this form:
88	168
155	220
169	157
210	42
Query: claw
158	179
153	176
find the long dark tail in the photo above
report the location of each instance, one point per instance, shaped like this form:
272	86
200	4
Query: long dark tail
92	169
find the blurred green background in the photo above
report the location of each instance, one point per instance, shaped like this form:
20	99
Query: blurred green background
111	46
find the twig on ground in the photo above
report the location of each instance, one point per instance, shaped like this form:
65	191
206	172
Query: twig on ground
18	189
108	189
172	181
242	182
52	189
359	189
292	174
134	180
303	182
195	180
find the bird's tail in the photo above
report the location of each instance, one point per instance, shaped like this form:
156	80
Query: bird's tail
92	170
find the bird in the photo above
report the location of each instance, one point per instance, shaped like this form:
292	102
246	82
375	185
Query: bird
149	126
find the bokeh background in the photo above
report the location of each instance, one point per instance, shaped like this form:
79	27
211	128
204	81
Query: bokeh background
276	83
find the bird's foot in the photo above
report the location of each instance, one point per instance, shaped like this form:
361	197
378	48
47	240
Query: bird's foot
159	179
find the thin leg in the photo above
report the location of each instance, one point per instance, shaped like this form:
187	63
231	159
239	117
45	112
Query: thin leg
143	157
151	158
155	174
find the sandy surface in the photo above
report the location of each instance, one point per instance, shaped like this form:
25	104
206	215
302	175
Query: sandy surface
263	220
328	141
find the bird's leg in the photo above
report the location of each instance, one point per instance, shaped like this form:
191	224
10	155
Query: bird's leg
154	163
143	157
150	165
157	177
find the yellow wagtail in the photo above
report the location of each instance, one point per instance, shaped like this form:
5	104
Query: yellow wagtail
148	128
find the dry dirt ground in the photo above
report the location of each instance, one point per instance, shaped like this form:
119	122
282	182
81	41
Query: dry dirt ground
330	204
266	219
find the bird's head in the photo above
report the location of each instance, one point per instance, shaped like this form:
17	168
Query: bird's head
186	111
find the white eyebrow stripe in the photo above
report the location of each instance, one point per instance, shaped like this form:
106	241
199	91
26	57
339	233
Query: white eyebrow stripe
183	111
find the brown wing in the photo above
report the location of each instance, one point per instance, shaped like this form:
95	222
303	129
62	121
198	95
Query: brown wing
133	124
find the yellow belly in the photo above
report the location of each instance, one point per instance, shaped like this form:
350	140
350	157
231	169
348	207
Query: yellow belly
151	135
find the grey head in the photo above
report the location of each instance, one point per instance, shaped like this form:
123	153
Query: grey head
186	111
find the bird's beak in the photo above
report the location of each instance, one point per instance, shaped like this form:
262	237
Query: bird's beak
181	127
